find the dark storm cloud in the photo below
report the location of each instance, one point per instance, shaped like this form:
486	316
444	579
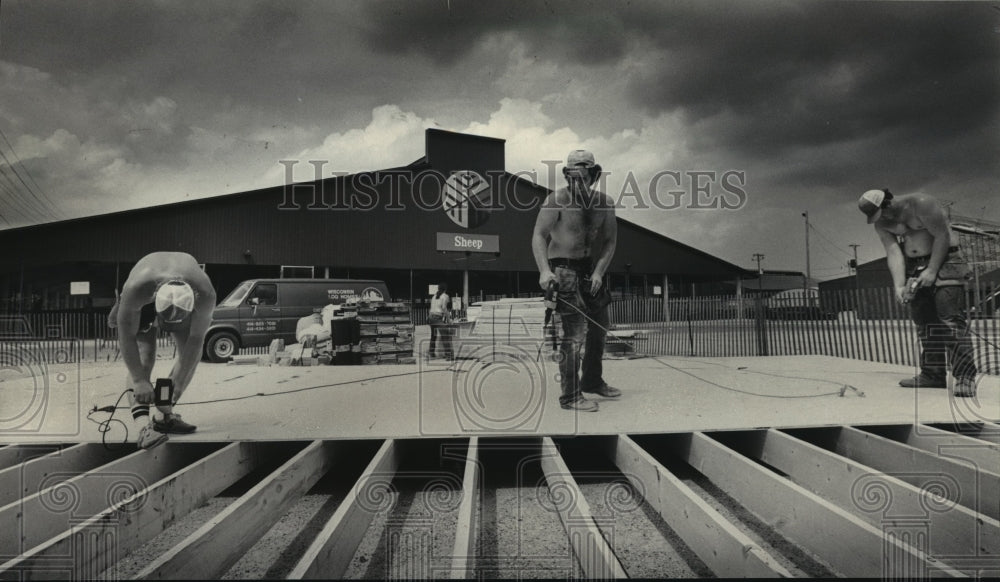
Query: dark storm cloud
445	30
783	75
825	72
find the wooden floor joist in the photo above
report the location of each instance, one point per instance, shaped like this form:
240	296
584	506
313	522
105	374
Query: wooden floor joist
976	488
943	443
62	464
330	553
36	518
464	553
78	552
990	431
862	501
725	550
596	558
12	455
882	500
848	543
218	544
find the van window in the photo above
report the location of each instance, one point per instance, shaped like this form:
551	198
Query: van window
265	293
235	297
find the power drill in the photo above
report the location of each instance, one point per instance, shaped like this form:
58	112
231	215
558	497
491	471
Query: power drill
911	286
551	295
163	392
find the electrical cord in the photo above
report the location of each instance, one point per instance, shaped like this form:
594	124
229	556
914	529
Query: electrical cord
104	426
840	392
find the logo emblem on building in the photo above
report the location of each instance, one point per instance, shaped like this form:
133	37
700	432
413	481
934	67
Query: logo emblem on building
466	199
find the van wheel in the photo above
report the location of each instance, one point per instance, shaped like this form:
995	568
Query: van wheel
221	346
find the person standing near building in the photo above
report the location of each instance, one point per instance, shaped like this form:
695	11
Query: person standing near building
573	243
168	291
920	245
440	314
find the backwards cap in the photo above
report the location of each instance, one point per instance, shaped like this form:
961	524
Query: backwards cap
174	301
871	203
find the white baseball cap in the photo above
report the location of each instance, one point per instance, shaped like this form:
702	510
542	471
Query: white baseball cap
174	301
871	203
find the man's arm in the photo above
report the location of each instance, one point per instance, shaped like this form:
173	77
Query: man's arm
540	240
895	261
609	241
936	223
189	353
128	330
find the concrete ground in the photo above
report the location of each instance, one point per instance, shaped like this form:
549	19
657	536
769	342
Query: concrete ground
498	393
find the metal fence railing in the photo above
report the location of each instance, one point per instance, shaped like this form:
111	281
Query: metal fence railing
865	324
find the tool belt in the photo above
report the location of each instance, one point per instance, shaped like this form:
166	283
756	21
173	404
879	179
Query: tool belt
955	270
573	277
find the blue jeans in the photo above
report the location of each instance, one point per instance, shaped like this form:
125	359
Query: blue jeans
579	333
943	329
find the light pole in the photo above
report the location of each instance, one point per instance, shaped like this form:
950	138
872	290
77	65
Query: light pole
760	272
857	274
808	272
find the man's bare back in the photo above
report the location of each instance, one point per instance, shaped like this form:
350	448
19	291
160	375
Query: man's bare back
157	268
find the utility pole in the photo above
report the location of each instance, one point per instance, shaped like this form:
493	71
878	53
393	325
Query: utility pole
760	327
857	280
808	272
760	272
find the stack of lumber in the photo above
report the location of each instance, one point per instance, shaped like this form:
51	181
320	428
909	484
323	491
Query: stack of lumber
386	333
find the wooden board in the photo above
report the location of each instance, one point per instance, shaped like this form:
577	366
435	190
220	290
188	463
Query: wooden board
12	455
882	500
218	544
975	488
463	556
726	550
24	479
848	543
331	552
36	518
77	552
943	443
597	559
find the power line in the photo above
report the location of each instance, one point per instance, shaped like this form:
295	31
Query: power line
823	236
16	195
16	203
32	196
47	200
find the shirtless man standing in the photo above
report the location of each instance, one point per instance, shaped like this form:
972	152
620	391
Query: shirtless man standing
169	291
920	244
573	243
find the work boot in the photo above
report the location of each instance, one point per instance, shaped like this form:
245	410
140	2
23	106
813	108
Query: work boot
149	438
172	424
965	387
923	381
605	391
581	404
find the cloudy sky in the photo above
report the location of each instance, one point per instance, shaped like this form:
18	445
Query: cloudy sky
110	105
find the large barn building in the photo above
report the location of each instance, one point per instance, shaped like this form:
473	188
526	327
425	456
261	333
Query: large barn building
454	215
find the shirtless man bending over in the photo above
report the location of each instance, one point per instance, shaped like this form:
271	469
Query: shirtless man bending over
168	291
920	244
573	244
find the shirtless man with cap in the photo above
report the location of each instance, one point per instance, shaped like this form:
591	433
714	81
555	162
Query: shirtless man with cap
573	244
919	244
169	291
